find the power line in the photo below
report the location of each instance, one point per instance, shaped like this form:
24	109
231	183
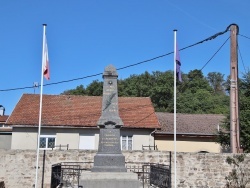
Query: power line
135	64
242	60
240	52
214	54
244	36
186	83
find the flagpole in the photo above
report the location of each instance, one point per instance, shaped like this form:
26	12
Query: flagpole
175	183
40	110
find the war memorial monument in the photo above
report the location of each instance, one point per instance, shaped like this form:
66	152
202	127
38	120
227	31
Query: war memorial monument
109	169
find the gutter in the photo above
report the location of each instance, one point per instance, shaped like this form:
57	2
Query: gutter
190	135
171	133
77	126
44	126
153	132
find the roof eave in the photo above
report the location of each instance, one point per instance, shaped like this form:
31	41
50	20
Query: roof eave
184	134
52	126
79	126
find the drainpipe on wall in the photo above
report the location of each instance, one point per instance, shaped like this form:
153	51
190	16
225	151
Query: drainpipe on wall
153	136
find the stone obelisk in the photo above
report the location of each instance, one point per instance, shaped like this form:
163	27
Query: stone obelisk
109	169
109	157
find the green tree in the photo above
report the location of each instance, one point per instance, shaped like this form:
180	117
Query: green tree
158	86
162	90
199	102
197	81
244	106
80	90
244	114
220	104
136	85
95	88
194	94
239	177
216	81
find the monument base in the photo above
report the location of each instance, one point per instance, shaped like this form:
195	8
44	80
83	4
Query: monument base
109	163
109	180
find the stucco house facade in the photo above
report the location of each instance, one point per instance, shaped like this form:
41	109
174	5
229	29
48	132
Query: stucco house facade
70	122
5	133
194	132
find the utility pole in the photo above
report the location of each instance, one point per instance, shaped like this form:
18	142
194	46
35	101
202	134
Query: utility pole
234	102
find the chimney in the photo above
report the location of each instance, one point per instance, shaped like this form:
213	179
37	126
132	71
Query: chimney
2	109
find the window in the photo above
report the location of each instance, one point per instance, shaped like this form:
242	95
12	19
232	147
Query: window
126	143
47	141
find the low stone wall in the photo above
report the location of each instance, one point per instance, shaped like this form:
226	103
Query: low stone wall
17	167
203	170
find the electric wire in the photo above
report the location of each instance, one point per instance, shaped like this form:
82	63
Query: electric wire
244	36
240	52
242	60
186	83
135	64
214	54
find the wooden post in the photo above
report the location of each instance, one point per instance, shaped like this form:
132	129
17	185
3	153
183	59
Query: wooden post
234	106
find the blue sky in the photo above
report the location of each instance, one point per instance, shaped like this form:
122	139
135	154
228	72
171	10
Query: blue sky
85	36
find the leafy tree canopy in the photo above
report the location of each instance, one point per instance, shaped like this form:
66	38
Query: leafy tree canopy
244	114
196	94
79	90
217	82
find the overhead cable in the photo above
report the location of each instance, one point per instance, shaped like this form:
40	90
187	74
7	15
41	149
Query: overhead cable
142	62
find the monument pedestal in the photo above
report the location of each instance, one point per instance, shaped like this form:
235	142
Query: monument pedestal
109	163
109	157
109	180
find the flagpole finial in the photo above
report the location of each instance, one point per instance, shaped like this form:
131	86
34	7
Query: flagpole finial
44	24
175	30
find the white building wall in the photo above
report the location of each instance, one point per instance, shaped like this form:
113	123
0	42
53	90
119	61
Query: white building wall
26	138
72	139
139	137
87	142
188	144
5	141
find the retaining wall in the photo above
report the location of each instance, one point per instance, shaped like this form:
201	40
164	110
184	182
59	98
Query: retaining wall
17	167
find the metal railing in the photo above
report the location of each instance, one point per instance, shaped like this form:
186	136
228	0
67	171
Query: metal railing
61	146
150	174
149	147
68	173
160	175
2	185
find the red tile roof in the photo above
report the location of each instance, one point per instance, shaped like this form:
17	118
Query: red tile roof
199	124
81	111
3	118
